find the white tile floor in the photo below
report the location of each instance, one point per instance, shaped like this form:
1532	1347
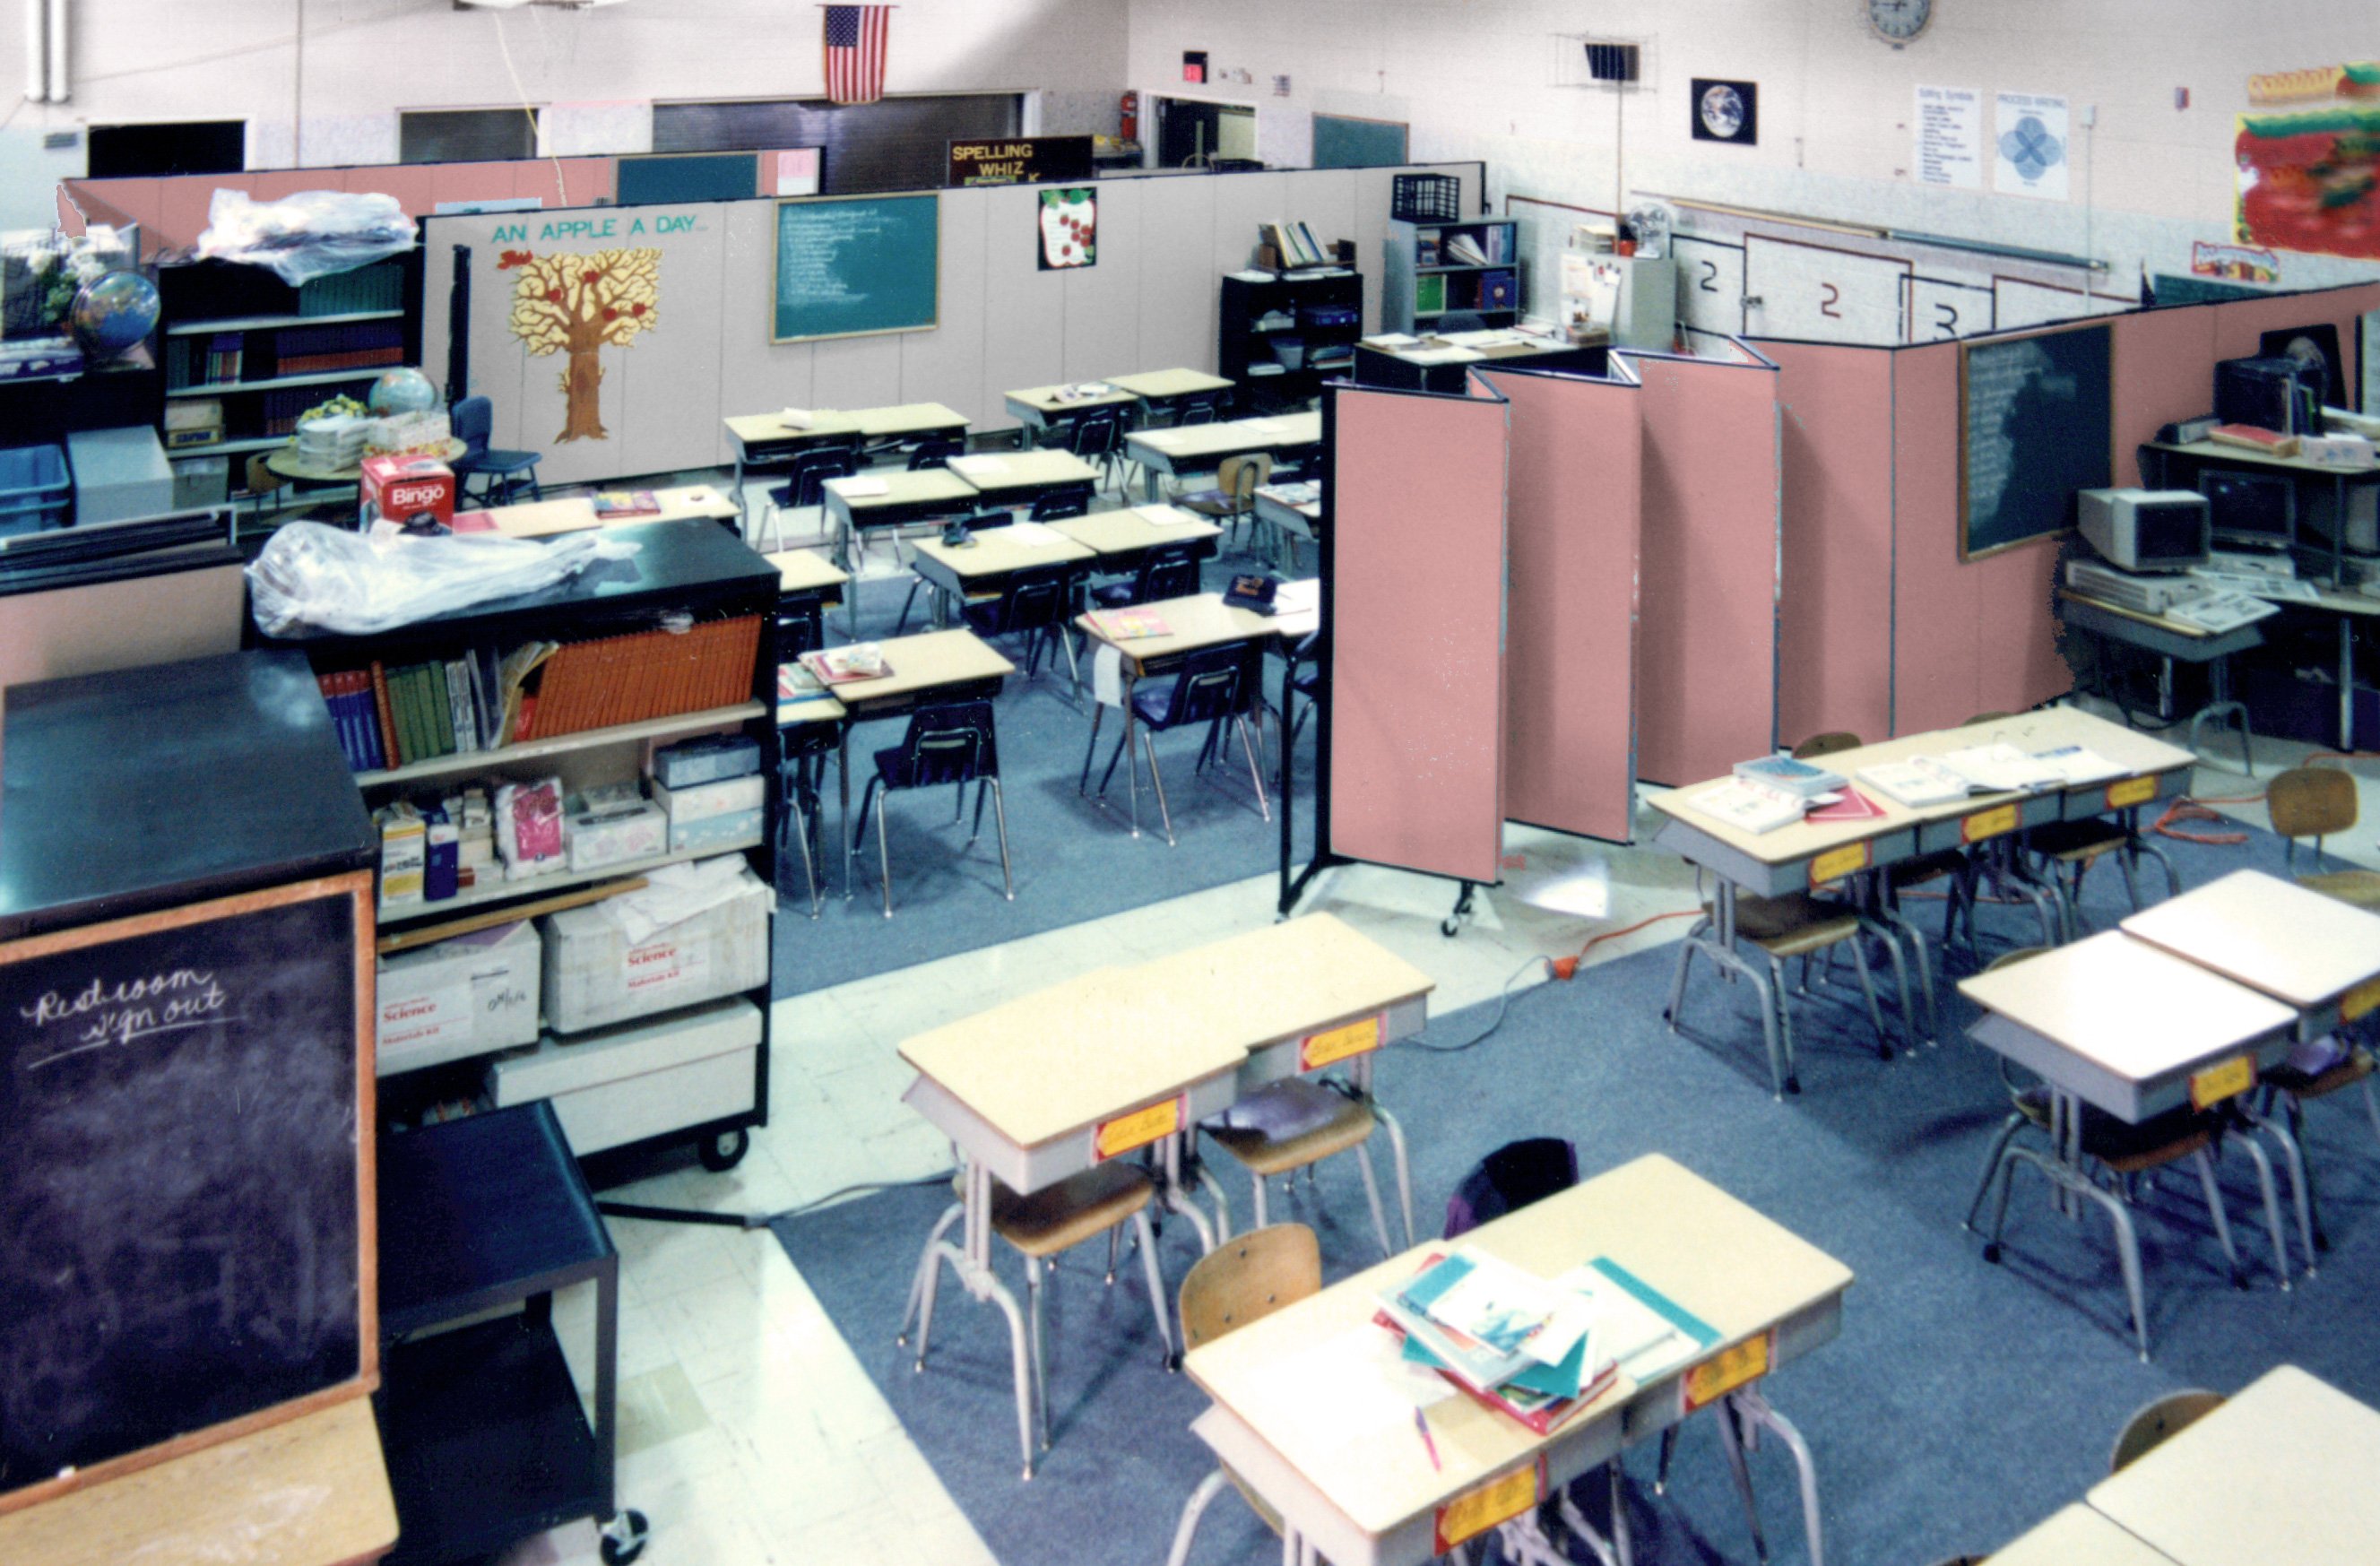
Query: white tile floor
749	1433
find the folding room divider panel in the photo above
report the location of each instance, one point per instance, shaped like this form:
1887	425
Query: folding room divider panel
1413	731
1706	642
1572	525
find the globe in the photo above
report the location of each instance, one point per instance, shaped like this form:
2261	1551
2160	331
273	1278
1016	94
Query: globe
111	314
403	391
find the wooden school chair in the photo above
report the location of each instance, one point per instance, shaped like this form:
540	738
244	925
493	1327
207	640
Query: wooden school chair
1232	501
2165	1417
1781	929
2318	802
1297	1122
2120	1152
1241	1281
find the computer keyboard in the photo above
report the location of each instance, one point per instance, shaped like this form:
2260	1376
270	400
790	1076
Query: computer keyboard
2256	585
2220	612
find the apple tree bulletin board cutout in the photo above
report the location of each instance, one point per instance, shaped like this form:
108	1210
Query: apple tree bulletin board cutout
576	304
1070	229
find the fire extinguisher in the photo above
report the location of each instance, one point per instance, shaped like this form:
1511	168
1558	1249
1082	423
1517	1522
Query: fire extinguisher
1130	130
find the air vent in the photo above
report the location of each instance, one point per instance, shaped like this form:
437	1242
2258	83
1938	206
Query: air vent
1611	62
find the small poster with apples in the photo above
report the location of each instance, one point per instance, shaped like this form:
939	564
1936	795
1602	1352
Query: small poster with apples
1070	229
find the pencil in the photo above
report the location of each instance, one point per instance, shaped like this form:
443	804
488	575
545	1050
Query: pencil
1429	1445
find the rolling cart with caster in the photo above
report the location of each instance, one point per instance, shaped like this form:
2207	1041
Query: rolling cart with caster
485	1438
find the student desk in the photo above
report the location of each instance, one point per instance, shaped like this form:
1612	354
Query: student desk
1193	625
2314	955
907	496
2280	1473
1051	407
1310	1429
543	518
1120	538
2174	641
1201	448
982	566
2078	1537
765	440
934	666
1163	389
808	581
1022	477
2131	1029
1292	515
310	1491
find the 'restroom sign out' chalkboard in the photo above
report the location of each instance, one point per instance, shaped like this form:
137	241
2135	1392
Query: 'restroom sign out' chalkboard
851	266
183	1102
2036	422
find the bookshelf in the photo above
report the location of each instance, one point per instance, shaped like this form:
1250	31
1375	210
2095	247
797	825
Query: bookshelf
684	577
242	354
1267	320
1429	270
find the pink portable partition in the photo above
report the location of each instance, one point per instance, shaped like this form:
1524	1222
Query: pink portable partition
1570	499
2164	370
1835	624
1706	642
1416	723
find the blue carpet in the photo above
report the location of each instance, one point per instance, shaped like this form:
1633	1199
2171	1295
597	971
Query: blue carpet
1074	859
1963	1403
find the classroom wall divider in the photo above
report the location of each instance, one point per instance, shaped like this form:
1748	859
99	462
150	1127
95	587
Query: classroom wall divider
1412	735
1149	303
1706	647
1573	536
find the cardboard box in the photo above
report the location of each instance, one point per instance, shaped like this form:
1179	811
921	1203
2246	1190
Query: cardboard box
706	834
722	796
401	488
457	998
594	976
643	1079
706	759
613	837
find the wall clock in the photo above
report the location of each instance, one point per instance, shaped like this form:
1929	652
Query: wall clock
1899	21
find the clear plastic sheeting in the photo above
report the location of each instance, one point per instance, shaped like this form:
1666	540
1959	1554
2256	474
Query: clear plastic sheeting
312	574
309	234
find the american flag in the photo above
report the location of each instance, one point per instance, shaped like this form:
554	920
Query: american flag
854	53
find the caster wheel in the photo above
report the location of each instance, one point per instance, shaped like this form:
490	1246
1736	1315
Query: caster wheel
2239	1281
1992	1252
624	1539
1793	1085
1172	1364
1449	928
720	1154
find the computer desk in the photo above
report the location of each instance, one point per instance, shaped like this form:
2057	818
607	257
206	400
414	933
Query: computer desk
1019	478
934	666
983	565
1051	407
1045	1086
2282	1471
765	440
1311	1430
2174	641
538	519
2350	609
1193	625
310	1491
1201	448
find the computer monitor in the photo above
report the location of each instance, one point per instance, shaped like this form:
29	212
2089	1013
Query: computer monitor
2256	509
2144	529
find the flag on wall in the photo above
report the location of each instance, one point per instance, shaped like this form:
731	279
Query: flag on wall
854	53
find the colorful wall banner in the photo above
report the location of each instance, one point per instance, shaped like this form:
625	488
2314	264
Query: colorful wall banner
2310	180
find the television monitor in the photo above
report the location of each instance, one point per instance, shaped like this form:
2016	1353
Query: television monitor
2269	394
2256	509
2144	529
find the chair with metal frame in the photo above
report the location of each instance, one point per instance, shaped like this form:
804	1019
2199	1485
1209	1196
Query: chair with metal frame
1058	505
2159	1421
1237	1284
2318	802
1232	501
805	484
972	522
501	473
1034	604
1298	1121
1167	571
1098	437
935	452
955	744
1214	686
801	750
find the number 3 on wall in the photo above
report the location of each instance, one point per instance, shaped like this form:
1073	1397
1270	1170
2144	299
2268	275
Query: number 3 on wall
1831	297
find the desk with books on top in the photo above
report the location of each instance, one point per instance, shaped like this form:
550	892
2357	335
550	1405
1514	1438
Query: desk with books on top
1051	1085
1201	448
1313	1416
606	508
1054	407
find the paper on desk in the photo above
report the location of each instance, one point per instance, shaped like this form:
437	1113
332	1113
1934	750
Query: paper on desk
1033	535
1163	515
979	465
1391	340
798	419
1107	676
855	489
1299	597
1442	356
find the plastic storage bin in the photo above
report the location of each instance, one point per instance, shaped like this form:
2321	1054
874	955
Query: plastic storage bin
33	489
1426	197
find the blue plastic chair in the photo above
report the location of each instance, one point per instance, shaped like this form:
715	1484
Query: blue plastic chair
501	473
953	744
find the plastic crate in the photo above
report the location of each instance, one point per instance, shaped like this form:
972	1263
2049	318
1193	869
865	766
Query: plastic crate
1426	197
33	489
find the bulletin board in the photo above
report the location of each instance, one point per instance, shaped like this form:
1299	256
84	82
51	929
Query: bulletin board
687	176
850	266
2036	424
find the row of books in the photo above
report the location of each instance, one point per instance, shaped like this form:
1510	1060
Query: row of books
1768	791
204	361
393	715
1538	1350
307	350
627	679
1294	244
1489	247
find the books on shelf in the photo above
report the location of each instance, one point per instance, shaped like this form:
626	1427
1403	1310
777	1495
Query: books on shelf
1465	251
1784	773
1749	807
1430	294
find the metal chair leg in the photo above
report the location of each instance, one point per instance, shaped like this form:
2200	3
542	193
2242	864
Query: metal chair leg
884	851
1194	1508
2273	1208
1372	1194
1156	779
1732	1440
2009	1128
1403	1170
1156	1285
1255	776
1033	1340
926	1260
999	819
2301	1185
2206	1182
1868	987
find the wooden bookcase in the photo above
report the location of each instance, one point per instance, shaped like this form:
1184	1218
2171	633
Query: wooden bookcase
681	569
1422	278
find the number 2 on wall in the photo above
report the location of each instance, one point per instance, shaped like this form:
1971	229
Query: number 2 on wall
1709	283
1832	297
1947	322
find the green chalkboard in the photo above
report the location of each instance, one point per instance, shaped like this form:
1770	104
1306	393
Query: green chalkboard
1343	143
851	266
2036	423
696	176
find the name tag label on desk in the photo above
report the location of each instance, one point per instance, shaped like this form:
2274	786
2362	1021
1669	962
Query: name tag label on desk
1483	1506
1341	1043
2365	997
1997	822
1837	863
1129	1132
1725	1372
2130	791
2225	1079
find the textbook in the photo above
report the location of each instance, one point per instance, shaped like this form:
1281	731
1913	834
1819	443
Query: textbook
626	503
1749	807
1917	783
1787	775
1130	625
2002	767
842	665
